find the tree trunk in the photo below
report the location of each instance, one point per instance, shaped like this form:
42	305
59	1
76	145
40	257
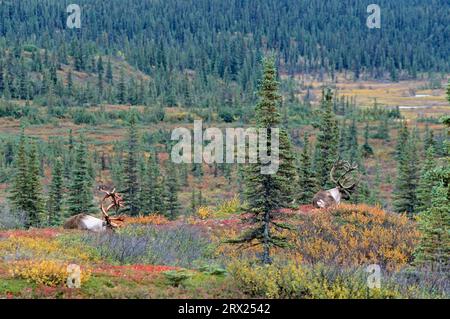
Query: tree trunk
266	245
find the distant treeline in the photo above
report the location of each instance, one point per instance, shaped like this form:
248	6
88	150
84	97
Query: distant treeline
207	51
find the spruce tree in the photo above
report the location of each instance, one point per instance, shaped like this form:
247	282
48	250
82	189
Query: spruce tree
343	140
56	193
367	150
152	190
326	152
35	205
428	138
353	149
448	91
434	224
70	83
100	70
375	196
402	139
404	195
131	179
121	89
383	129
426	181
80	195
19	189
306	176
26	190
266	194
172	204
109	72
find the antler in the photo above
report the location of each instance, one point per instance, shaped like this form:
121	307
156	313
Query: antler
348	168
117	202
343	179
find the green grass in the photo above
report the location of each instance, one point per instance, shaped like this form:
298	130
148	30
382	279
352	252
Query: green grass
13	286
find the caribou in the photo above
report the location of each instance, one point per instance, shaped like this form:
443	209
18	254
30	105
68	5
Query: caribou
343	190
94	224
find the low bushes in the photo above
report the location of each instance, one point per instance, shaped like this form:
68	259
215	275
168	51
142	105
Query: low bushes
228	207
177	278
152	219
45	272
203	212
10	219
291	280
352	235
174	245
22	248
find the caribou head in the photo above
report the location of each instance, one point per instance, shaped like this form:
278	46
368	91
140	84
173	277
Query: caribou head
344	186
91	223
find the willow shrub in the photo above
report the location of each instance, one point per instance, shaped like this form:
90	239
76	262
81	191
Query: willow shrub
355	235
291	280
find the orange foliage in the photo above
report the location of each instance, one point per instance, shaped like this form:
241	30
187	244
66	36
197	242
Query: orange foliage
153	219
354	235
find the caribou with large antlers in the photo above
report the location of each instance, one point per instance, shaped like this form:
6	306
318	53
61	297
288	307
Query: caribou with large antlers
343	190
91	223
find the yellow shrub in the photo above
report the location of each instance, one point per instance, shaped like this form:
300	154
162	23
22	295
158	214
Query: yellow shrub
354	235
228	207
291	280
152	219
45	272
203	212
38	248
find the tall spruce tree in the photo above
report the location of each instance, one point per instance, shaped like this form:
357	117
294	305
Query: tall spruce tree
266	194
326	152
131	169
353	149
306	176
35	205
172	204
121	89
426	181
80	195
402	139
428	140
404	195
448	91
56	193
109	72
433	250
383	129
343	139
19	188
26	190
100	71
152	190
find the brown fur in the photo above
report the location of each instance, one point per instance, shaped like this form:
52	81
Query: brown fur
325	197
74	222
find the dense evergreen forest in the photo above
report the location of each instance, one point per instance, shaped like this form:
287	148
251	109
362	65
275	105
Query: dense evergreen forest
191	48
